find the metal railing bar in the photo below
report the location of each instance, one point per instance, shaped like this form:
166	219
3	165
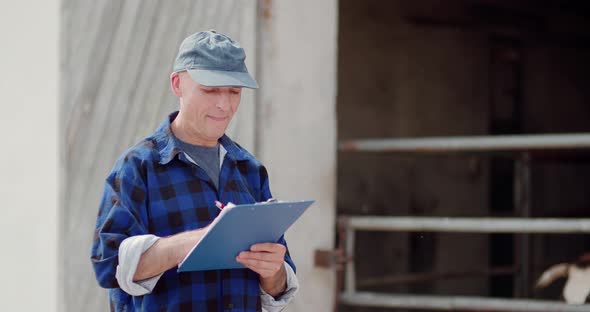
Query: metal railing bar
456	303
463	225
498	143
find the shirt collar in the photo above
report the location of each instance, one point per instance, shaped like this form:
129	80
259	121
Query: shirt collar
168	147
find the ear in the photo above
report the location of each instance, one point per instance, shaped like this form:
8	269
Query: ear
175	84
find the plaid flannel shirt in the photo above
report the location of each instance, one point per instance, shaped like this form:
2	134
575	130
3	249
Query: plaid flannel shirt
154	189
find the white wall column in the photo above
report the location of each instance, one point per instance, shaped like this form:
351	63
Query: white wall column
29	96
297	129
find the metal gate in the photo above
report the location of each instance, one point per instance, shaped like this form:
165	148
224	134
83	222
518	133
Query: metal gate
523	146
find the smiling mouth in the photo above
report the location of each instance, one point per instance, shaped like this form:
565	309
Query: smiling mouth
217	118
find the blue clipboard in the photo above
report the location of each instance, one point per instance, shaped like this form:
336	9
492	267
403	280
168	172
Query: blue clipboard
239	227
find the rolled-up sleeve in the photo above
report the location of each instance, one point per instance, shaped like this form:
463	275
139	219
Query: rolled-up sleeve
272	304
130	252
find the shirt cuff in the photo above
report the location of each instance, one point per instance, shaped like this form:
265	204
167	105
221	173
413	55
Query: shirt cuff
270	304
130	252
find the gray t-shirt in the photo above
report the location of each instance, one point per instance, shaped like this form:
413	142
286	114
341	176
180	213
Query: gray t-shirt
206	157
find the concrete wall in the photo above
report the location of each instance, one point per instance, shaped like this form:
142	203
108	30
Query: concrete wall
116	60
297	127
28	164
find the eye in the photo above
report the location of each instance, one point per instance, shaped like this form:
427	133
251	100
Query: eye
208	90
235	91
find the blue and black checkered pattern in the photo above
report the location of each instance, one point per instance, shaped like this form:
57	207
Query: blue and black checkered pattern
154	189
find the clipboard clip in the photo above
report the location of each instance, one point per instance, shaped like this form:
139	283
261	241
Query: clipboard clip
220	205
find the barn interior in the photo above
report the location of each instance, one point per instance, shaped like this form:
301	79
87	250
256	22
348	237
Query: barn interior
444	69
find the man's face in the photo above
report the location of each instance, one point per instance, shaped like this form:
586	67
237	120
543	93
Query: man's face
208	110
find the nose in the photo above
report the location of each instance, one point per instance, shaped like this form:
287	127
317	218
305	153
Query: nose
224	101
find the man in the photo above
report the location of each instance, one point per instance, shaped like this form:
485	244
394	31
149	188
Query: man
160	197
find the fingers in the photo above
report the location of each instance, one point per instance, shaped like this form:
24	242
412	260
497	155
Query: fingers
263	252
258	264
262	256
269	247
264	273
266	259
262	267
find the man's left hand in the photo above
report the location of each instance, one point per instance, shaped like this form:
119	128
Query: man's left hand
267	260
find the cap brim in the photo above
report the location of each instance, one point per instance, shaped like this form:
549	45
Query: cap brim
218	78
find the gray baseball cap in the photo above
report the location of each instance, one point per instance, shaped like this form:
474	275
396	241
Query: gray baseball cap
214	60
